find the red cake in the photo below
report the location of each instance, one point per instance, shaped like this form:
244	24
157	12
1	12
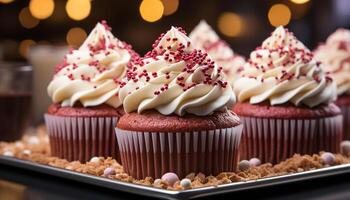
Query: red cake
178	117
344	104
285	111
84	91
285	102
343	100
153	121
80	111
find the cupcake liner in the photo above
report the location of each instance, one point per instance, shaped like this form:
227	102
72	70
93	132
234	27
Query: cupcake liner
346	121
156	153
81	138
275	140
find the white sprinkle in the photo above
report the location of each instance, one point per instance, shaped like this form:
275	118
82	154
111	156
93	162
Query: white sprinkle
185	183
95	160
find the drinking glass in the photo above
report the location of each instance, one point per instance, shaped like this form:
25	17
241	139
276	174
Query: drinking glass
43	58
15	99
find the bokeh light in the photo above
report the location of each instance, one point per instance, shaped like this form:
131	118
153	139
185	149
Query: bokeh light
299	1
6	1
24	47
76	36
279	15
41	9
230	24
78	9
26	19
170	6
151	10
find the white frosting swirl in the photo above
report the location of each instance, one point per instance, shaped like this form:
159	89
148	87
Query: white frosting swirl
90	75
335	56
175	78
283	70
205	38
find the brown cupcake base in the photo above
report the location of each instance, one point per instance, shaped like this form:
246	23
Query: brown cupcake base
81	138
81	111
156	153
285	111
344	104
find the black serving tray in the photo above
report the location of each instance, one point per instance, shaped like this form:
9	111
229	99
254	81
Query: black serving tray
174	195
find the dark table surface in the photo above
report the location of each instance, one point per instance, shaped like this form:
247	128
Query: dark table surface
16	184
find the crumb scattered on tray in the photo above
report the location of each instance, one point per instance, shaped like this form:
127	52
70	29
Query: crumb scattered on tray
35	147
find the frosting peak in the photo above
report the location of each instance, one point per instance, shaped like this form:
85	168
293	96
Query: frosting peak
205	38
281	38
100	38
335	55
283	70
175	39
90	75
176	78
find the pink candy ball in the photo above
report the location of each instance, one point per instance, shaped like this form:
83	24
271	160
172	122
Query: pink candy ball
345	147
328	158
254	162
108	171
170	178
244	165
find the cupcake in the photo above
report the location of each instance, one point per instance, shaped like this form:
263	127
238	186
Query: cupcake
205	38
84	91
285	102
335	56
177	113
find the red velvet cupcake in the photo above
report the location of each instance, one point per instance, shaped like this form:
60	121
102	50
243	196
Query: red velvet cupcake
86	105
335	56
176	117
285	102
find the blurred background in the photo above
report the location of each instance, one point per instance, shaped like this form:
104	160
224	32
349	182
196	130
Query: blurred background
243	24
39	32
